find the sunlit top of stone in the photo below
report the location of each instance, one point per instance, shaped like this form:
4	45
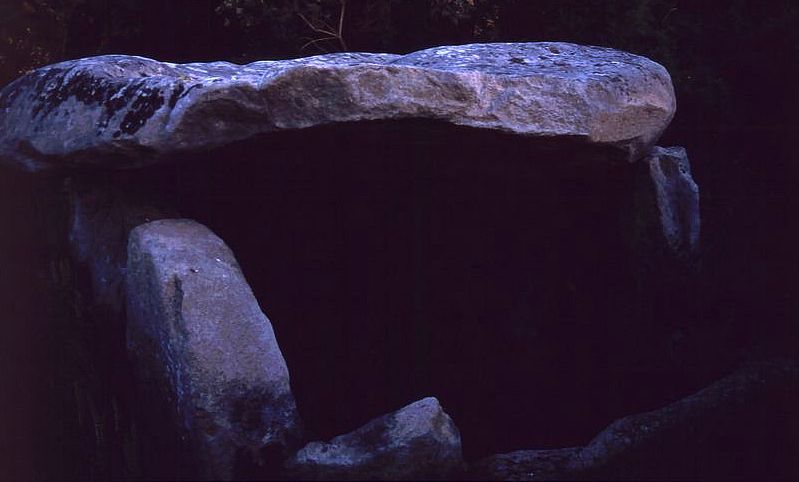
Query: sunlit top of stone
126	111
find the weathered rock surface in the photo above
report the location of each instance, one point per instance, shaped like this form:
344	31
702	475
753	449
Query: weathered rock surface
201	341
675	441
634	442
123	111
417	442
669	196
101	217
526	465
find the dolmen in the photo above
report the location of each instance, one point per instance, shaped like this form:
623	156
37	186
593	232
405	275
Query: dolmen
127	133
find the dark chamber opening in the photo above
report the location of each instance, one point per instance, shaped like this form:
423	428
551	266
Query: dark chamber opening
408	259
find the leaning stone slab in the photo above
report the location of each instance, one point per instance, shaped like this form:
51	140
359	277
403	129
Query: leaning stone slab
419	441
198	336
122	111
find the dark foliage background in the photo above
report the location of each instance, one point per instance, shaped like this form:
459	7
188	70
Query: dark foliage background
734	65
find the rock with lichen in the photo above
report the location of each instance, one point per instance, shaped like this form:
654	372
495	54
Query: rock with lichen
122	111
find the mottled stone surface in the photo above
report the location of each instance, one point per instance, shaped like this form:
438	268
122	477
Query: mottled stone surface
418	441
676	199
198	336
101	217
633	445
124	111
677	441
526	465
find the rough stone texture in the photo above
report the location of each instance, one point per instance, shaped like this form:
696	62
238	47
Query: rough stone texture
670	442
676	198
633	442
526	465
665	250
101	216
417	442
125	111
198	334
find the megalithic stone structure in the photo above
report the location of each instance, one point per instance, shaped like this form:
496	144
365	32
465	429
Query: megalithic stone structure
208	362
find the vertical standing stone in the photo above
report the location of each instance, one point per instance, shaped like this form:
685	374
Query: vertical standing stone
665	249
664	227
677	197
196	332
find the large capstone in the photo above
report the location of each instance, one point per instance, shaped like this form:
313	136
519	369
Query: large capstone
202	344
416	442
121	110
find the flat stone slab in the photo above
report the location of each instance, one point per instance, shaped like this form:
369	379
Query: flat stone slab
125	111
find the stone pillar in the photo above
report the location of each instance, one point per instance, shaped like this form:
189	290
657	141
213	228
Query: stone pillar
202	344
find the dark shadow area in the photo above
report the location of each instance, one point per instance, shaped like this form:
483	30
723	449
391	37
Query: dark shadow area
22	359
52	404
748	179
401	260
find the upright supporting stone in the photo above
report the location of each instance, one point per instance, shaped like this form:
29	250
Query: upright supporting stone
665	224
197	334
677	199
667	205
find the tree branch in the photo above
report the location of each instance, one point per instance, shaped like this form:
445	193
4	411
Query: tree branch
328	29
